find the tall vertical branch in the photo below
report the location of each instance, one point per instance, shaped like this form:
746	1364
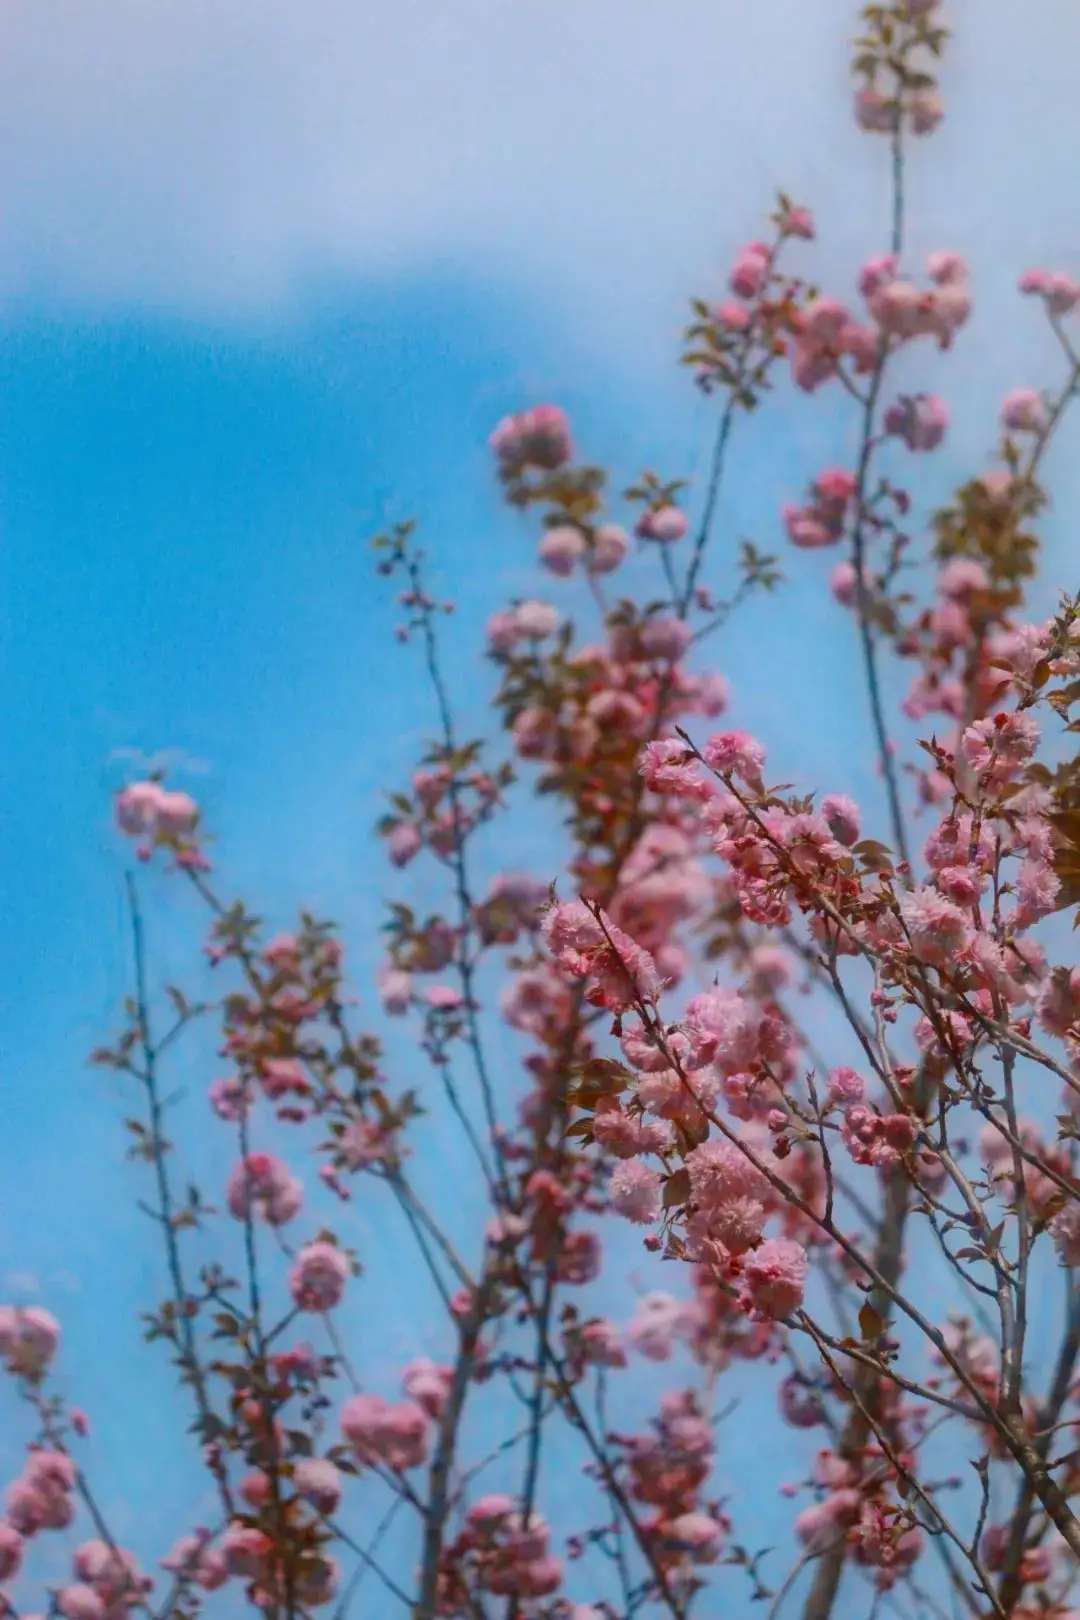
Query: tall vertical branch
183	1316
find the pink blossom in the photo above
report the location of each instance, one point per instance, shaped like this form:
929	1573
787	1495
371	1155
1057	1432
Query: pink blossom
806	530
919	419
901	310
750	271
112	1572
317	1280
811	366
1037	889
591	946
771	967
699	1534
962	577
998	746
878	272
1058	1004
846	1086
947	268
712	694
1024	411
136	808
836	486
444	997
428	1384
1065	1231
562	547
579	1259
245	1550
875	1139
536	620
622	1134
535	1000
176	812
1060	291
318	1480
735	753
395	990
732	316
539	438
666	638
668	767
657	1326
52	1470
663	523
799	222
720	1173
843	818
263	1186
381	1432
609	548
730	1029
774	1278
938	930
146	808
666	1094
80	1602
874	111
843	582
926	110
488	1512
11	1552
635	1192
502	631
29	1338
403	843
823	319
822	1525
600	1344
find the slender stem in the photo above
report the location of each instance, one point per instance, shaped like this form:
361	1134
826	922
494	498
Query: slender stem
190	1362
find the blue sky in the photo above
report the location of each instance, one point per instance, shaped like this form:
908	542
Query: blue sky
267	280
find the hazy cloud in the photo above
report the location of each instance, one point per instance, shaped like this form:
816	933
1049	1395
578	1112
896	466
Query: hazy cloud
222	155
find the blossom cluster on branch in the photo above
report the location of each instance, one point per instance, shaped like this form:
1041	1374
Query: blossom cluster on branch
873	1231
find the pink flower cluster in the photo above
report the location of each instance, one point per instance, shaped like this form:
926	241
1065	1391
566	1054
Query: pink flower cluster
821	521
528	622
379	1431
829	334
108	1585
920	420
600	551
29	1339
536	438
902	312
879	113
588	944
1059	291
147	808
880	1140
160	817
507	1554
664	523
263	1186
41	1498
667	1468
318	1277
195	1559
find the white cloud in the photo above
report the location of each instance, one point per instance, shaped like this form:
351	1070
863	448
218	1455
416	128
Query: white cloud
221	155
